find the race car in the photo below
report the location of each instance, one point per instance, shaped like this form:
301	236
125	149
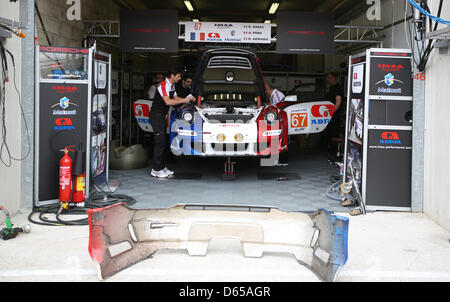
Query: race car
232	115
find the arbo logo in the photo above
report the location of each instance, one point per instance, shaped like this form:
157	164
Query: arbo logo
322	110
141	110
390	138
213	36
63	124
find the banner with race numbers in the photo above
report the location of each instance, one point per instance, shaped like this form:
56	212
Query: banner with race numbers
227	32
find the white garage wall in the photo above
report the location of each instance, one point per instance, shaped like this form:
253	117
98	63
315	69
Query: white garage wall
392	11
10	178
437	134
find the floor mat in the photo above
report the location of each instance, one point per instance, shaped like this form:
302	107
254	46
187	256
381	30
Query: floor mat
186	175
278	175
305	193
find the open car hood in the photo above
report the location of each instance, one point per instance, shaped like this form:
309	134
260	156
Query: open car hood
120	236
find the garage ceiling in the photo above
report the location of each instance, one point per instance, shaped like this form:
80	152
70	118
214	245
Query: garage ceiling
243	11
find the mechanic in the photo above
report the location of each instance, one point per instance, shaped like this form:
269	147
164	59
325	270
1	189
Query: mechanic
334	130
165	97
158	78
275	96
183	88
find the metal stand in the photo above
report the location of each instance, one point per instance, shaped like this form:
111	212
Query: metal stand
229	170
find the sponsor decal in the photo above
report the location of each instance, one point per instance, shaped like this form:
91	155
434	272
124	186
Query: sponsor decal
389	80
390	54
202	36
322	110
141	110
390	67
229	125
213	35
299	120
64	49
272	132
64	103
192	35
358	77
321	121
64	89
64	112
186	132
390	138
63	124
143	120
222	25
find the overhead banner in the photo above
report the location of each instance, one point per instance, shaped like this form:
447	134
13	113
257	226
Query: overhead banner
304	32
149	31
227	32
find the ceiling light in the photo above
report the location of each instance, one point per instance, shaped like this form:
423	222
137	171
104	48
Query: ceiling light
273	8
189	5
267	21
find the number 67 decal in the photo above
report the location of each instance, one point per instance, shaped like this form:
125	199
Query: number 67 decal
299	120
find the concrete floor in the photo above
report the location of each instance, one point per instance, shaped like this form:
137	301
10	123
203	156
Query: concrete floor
382	247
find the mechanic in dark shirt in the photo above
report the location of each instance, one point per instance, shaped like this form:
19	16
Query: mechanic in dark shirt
334	130
165	97
183	87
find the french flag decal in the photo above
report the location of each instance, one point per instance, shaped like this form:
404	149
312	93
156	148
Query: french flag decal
192	36
202	36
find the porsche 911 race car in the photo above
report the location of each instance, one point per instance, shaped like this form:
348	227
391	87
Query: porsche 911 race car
232	115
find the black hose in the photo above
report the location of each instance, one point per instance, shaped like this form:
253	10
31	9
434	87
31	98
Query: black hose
90	203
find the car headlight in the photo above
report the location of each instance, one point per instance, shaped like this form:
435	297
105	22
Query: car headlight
271	116
187	116
221	137
238	137
229	76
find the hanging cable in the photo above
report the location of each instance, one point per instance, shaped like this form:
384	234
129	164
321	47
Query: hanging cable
5	154
428	14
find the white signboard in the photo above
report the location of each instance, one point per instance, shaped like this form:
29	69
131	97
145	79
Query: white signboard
227	32
358	78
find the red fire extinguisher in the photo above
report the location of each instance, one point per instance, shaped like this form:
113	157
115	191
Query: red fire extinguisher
79	179
79	188
65	176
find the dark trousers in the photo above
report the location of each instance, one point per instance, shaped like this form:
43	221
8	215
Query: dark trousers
284	157
333	135
158	122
